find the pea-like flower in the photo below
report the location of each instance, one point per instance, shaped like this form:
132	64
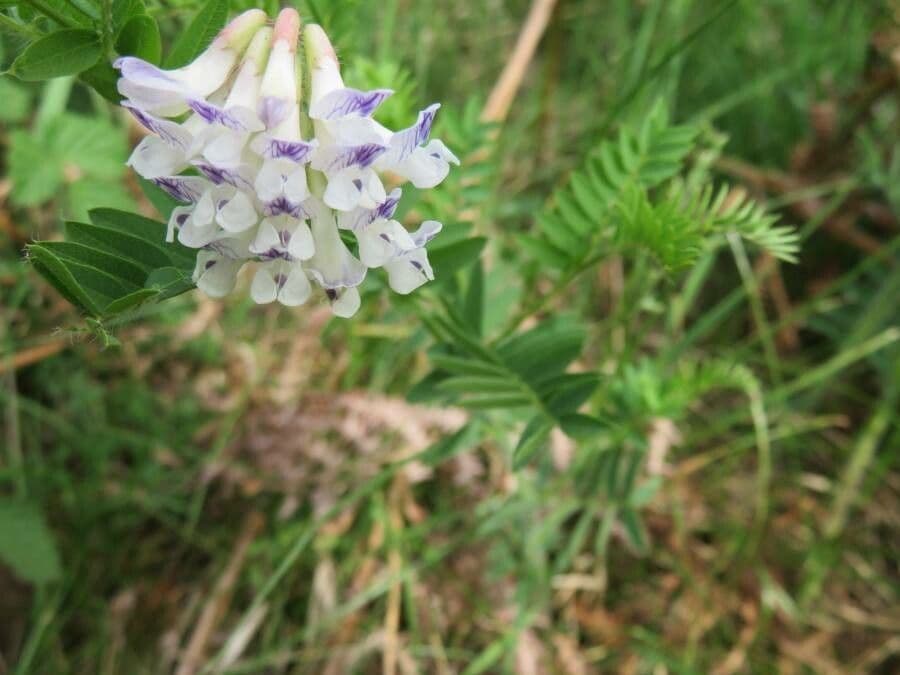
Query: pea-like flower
271	178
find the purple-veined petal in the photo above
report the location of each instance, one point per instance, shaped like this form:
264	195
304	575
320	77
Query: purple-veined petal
274	148
236	118
406	141
182	188
238	177
334	158
171	132
283	206
345	101
360	217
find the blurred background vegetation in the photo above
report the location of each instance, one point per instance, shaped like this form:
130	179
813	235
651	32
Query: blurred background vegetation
245	489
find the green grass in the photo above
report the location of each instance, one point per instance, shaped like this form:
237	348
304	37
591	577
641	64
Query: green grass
733	508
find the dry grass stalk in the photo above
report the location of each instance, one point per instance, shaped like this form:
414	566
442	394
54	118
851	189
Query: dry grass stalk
217	604
504	92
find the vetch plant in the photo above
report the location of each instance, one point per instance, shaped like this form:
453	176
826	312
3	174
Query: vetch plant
257	155
271	176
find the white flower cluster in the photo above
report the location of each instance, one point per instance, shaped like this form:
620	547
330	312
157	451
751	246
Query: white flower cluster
226	141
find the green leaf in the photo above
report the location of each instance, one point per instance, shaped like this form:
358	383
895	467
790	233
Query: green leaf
140	37
96	146
635	532
169	282
199	33
150	231
16	100
465	366
35	176
473	304
89	193
448	259
533	437
60	276
103	79
131	300
124	10
489	401
565	393
544	350
452	445
582	427
26	543
480	384
64	52
111	264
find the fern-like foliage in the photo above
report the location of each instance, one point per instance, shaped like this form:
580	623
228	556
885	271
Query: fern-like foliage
629	195
525	373
580	216
724	209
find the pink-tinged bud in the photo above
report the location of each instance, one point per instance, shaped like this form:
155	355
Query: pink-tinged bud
279	91
325	72
240	30
287	27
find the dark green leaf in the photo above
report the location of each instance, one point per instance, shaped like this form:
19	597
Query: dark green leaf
544	350
58	274
582	427
448	259
634	530
145	254
450	446
103	78
169	282
118	267
131	300
473	305
480	384
64	52
488	401
565	393
124	10
198	34
464	366
532	438
140	37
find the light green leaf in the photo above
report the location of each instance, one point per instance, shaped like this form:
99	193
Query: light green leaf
16	100
26	543
89	193
64	52
35	176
